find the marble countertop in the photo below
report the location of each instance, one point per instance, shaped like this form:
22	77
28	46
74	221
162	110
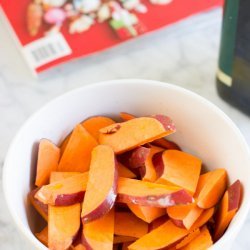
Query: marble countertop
185	54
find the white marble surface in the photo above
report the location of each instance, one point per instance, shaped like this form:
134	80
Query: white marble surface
184	54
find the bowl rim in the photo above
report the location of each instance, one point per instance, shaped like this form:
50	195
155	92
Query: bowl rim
27	232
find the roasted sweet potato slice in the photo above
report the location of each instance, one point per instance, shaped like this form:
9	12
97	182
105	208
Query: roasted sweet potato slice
99	234
77	154
47	161
162	237
126	116
227	209
102	184
150	194
177	168
64	223
133	133
127	224
147	214
40	207
213	189
64	192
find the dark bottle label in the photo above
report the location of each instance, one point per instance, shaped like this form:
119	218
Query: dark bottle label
228	40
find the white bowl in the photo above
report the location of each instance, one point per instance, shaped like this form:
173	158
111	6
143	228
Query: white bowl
202	129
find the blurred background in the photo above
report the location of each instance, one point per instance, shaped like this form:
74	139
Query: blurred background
185	53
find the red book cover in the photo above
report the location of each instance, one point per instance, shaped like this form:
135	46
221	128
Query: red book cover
50	32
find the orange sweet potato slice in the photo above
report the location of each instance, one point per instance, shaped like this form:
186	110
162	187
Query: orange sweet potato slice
201	183
185	215
126	245
99	234
147	214
150	194
148	172
193	234
126	116
40	207
77	154
162	142
201	242
64	223
64	192
65	143
122	239
57	176
162	237
95	123
133	133
124	172
157	222
43	236
127	224
47	161
227	209
213	189
203	218
102	184
177	168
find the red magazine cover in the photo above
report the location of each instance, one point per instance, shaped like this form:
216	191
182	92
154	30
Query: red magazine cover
51	32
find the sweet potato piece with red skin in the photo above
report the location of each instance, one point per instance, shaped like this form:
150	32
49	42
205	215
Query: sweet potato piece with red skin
99	234
158	238
186	240
43	236
127	224
147	214
77	154
177	168
201	242
186	215
64	192
227	209
128	135
213	189
41	208
161	142
64	223
122	239
150	194
135	158
157	222
101	188
47	161
148	172
166	144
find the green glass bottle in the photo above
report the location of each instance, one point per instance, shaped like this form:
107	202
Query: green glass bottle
233	75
